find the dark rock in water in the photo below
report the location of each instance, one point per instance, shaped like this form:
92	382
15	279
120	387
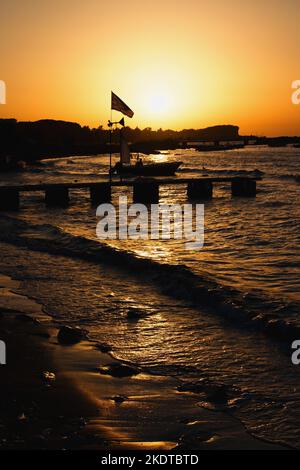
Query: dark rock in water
119	370
215	393
135	313
68	335
119	398
104	347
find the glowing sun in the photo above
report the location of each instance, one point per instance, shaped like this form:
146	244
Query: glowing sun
158	103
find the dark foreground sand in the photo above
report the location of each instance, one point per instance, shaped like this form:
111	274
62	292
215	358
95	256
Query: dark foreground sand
54	396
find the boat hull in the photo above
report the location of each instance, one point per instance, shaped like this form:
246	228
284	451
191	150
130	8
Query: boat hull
151	169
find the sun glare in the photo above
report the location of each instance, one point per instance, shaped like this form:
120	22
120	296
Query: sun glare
158	103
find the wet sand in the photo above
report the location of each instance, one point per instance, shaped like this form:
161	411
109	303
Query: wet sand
55	397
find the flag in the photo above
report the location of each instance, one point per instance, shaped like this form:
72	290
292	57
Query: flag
118	105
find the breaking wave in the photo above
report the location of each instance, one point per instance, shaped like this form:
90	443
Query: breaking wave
177	281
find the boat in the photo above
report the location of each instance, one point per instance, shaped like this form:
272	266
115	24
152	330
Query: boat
139	168
149	169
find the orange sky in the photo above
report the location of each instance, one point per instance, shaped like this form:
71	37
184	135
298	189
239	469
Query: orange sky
177	64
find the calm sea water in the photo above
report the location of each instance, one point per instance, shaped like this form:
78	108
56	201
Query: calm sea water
251	258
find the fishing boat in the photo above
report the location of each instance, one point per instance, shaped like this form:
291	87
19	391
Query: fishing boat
150	169
139	168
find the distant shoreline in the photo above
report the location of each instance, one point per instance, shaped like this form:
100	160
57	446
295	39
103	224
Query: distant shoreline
30	142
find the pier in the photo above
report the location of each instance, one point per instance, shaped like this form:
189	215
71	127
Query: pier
145	190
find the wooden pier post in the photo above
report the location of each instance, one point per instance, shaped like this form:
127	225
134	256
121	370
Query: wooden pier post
9	199
57	196
243	187
146	191
200	189
100	193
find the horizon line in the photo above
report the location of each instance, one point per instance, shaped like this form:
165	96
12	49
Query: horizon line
153	129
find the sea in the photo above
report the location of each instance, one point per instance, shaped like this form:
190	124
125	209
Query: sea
227	312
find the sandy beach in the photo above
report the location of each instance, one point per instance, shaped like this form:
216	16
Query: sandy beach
149	229
58	396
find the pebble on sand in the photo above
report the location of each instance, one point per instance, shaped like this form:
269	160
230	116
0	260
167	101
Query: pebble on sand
119	370
68	335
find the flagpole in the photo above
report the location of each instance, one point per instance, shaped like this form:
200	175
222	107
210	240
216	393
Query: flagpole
110	142
118	105
121	134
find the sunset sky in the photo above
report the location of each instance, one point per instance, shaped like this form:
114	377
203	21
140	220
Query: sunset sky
177	64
